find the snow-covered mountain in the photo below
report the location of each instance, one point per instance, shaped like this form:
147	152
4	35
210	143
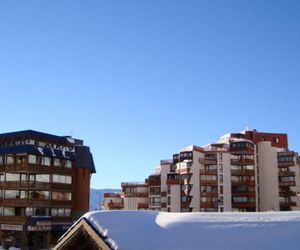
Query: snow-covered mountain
96	197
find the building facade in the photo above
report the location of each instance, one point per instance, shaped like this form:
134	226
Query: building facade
247	171
44	186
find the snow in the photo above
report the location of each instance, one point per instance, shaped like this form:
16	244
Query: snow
209	231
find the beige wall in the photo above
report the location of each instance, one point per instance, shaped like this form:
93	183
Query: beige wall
268	177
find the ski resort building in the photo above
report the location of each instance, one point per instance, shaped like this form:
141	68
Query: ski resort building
246	172
44	186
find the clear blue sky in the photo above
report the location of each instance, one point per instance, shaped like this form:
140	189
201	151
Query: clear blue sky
138	80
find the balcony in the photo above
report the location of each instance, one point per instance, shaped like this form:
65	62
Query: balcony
248	172
111	195
242	150
244	205
185	204
286	153
173	181
208	204
143	206
115	205
287	193
166	162
139	194
209	194
285	164
287	183
248	194
61	186
208	172
163	194
286	204
16	219
163	204
208	161
286	173
209	182
242	162
243	183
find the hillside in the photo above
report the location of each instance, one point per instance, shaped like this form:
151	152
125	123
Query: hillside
96	197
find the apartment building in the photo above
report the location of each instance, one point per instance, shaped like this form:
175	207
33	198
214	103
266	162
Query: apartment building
44	186
247	171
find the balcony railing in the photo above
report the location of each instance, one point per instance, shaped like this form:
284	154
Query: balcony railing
243	183
173	181
287	193
209	182
138	194
288	204
208	161
209	194
249	172
244	205
286	153
248	194
286	173
14	219
115	205
242	162
143	205
163	194
208	204
287	183
208	172
285	164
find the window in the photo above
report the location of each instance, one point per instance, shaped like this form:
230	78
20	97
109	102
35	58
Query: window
57	162
46	161
42	178
12	177
1	177
276	139
62	179
1	160
29	211
66	196
40	195
13	194
32	159
9	211
61	212
9	160
69	164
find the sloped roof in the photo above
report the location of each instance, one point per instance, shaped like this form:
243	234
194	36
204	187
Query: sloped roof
209	231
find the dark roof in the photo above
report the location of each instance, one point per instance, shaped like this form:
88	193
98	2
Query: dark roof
84	158
36	134
37	150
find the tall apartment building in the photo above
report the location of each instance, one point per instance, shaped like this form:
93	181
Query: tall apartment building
44	186
246	171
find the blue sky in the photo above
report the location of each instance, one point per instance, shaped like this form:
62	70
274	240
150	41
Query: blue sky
138	80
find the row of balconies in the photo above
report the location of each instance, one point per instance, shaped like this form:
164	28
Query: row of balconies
18	219
24	202
31	168
35	185
138	194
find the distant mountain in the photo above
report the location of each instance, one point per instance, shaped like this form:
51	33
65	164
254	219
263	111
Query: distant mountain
96	197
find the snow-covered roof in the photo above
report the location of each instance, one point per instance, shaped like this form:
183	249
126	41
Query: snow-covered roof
209	231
